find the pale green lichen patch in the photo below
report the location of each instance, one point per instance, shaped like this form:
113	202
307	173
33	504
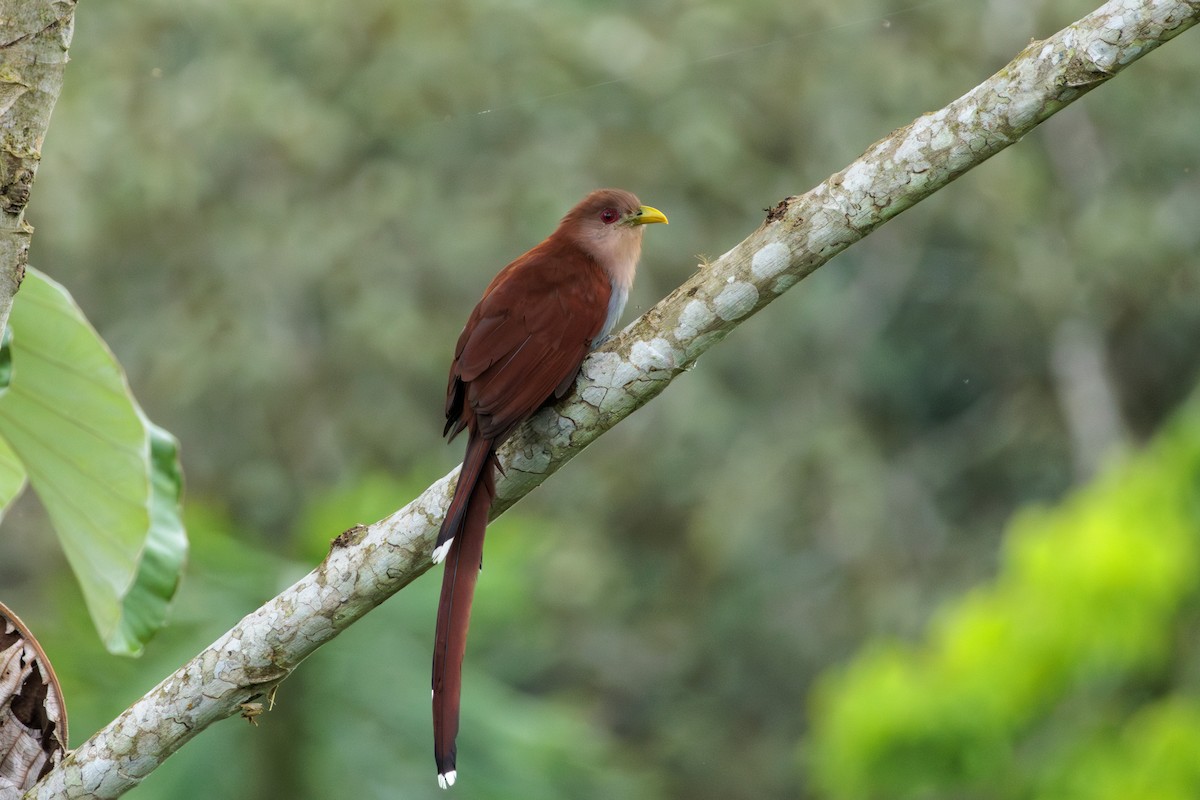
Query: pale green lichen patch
859	178
694	318
770	260
654	355
94	773
608	370
784	283
736	300
529	459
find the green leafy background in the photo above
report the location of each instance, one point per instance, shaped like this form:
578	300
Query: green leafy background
881	542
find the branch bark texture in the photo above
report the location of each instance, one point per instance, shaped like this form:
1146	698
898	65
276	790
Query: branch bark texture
34	37
368	564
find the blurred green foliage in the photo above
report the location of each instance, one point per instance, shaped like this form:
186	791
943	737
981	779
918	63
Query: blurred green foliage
1062	664
279	214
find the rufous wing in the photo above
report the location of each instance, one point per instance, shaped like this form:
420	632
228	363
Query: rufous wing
529	334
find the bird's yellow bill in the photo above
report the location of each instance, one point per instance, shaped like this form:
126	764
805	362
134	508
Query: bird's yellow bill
647	214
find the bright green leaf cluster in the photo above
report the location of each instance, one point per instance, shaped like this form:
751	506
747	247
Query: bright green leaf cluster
1082	613
1154	756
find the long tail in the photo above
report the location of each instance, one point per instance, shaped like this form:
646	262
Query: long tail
462	539
479	455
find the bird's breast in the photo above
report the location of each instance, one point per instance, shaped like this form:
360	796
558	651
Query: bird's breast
616	305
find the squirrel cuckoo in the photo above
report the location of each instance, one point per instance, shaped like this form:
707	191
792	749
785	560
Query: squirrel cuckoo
521	348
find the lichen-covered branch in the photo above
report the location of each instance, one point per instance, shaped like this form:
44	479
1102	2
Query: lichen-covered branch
34	37
802	233
367	564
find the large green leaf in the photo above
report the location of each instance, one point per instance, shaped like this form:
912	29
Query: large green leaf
109	479
12	474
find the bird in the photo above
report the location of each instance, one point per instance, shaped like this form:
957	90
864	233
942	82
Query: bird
520	349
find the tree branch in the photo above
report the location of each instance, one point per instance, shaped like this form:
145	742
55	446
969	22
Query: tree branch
34	37
366	565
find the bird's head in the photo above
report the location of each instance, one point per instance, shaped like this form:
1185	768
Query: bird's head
608	225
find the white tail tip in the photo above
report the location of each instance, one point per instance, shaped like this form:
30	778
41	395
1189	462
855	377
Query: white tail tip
439	554
447	780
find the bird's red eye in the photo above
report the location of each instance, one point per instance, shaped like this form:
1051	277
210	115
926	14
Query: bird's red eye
609	215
